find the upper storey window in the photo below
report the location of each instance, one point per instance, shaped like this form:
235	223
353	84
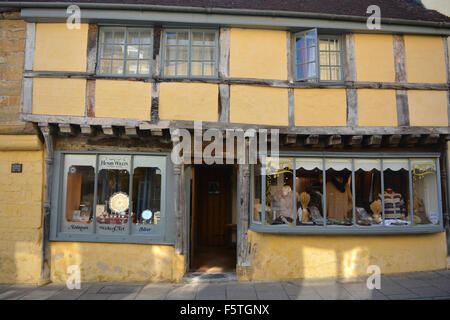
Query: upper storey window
318	57
125	51
190	53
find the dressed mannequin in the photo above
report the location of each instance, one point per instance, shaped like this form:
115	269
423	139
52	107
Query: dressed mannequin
339	198
394	205
284	203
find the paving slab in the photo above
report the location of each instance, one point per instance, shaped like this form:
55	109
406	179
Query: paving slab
114	289
405	296
333	292
94	296
123	296
411	282
429	292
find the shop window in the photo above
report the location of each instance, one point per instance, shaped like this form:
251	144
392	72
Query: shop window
318	57
338	190
125	51
190	53
309	189
367	190
113	195
347	194
79	177
425	201
279	191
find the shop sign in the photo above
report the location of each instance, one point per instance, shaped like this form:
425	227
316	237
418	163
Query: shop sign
115	162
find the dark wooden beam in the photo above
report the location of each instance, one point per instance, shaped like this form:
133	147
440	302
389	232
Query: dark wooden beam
289	139
429	139
353	140
333	140
312	140
411	139
373	140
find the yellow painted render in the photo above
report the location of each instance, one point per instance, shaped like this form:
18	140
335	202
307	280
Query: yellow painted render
377	107
425	61
21	196
427	108
260	54
282	257
320	107
59	96
374	57
116	262
59	48
189	101
123	99
259	105
20	143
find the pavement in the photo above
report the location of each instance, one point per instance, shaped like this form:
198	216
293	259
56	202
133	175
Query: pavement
432	285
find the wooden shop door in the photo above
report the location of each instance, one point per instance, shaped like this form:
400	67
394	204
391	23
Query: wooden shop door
212	250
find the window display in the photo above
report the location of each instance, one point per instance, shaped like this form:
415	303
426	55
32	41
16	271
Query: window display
346	192
279	191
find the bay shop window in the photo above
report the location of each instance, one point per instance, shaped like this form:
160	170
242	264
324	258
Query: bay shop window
110	197
309	194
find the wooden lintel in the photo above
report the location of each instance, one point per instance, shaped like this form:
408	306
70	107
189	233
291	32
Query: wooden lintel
67	129
312	139
157	132
86	129
131	131
108	130
429	139
411	139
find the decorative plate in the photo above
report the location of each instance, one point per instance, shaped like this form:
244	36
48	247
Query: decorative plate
147	214
119	202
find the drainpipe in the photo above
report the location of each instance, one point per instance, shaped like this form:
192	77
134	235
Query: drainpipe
45	262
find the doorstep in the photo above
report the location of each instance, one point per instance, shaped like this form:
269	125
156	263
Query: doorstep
202	277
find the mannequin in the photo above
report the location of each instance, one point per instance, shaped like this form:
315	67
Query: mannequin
339	197
284	203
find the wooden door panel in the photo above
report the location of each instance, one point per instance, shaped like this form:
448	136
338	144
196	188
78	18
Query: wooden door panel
214	197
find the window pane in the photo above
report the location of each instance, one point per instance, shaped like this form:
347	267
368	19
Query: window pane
183	53
339	199
309	189
113	194
119	37
335	73
311	39
117	67
208	69
196	68
105	66
301	56
182	68
396	191
311	70
425	201
323	45
324	58
171	38
79	199
132	66
183	38
279	191
197	38
311	54
132	52
324	73
133	37
367	189
171	53
146	37
144	52
146	198
107	51
118	52
210	38
107	37
196	53
300	43
208	53
257	204
169	68
144	67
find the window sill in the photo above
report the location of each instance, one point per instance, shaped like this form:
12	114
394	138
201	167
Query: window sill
156	239
345	230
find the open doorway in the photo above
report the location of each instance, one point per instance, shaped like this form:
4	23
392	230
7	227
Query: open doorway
213	240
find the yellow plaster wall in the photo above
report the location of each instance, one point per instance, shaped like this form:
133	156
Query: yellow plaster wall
116	262
20	143
320	107
425	61
427	108
374	57
277	257
189	101
377	107
122	99
59	48
21	196
259	105
260	54
59	96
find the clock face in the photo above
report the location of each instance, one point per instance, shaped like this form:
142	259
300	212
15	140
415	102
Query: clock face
147	214
119	202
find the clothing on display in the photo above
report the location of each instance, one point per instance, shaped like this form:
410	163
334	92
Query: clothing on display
339	199
394	205
283	204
